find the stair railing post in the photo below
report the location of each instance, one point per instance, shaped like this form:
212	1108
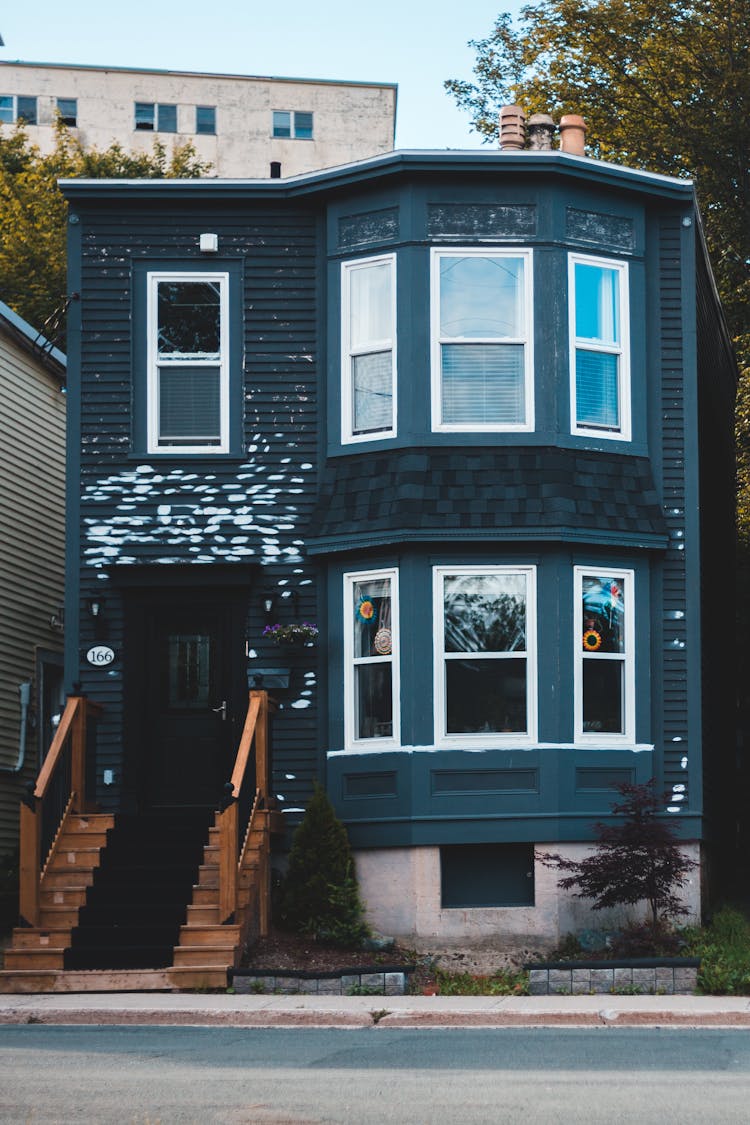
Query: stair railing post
261	747
78	757
31	855
228	848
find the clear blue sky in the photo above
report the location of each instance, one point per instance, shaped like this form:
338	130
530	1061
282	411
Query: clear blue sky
415	43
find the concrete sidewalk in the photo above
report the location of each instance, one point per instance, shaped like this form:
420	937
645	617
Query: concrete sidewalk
225	1010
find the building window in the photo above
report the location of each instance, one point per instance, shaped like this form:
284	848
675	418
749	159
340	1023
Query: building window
150	116
19	108
205	119
599	348
68	111
188	362
298	125
482	363
371	682
485	649
486	875
604	665
368	349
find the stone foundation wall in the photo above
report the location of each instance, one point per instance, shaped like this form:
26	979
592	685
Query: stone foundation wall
679	979
394	983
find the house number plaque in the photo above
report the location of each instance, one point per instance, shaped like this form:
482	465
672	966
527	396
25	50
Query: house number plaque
100	656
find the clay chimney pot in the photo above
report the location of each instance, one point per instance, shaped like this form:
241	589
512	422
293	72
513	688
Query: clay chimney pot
573	134
541	130
512	127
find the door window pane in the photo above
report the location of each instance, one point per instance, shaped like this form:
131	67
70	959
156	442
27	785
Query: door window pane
188	670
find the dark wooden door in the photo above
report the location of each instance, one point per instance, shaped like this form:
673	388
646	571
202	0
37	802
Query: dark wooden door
188	684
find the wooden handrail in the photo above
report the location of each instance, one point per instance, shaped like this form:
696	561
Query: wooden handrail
57	746
246	741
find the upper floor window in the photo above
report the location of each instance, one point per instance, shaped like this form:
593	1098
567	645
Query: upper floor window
485	654
482	363
188	362
604	665
368	348
297	124
205	119
161	117
68	110
18	108
599	347
371	679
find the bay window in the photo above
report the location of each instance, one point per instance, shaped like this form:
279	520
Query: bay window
188	362
485	654
482	362
599	347
368	349
604	657
371	681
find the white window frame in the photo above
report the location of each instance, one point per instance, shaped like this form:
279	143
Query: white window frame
627	659
349	353
153	364
621	350
13	98
527	339
495	738
351	742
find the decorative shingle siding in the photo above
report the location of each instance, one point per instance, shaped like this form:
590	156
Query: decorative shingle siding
674	628
176	510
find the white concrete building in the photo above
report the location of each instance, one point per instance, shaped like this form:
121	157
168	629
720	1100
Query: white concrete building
245	126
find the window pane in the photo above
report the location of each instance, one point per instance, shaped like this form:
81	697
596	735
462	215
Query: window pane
26	110
370	304
167	119
597	303
205	119
372	393
486	696
374	700
485	613
189	318
6	108
597	389
189	406
303	125
144	115
481	297
603	696
483	383
282	124
372	617
188	663
603	614
68	110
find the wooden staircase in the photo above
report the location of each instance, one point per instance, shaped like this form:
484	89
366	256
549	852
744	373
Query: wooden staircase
229	903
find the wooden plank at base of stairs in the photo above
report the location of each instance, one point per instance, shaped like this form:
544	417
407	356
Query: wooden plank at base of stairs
88	980
186	978
206	955
34	959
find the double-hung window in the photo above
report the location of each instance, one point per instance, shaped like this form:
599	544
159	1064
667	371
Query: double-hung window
188	362
599	347
371	679
485	654
604	656
18	108
368	349
151	116
297	124
482	362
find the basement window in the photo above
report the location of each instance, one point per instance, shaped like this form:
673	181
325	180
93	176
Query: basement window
486	875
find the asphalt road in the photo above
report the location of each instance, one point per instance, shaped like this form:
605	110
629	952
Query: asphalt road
160	1075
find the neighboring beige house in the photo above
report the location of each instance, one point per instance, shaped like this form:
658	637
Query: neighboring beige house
245	126
32	556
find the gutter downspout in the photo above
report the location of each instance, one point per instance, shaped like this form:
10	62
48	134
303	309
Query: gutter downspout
24	692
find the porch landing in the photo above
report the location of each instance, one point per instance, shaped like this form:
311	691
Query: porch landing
179	978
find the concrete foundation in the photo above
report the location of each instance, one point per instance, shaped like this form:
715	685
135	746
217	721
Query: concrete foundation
401	891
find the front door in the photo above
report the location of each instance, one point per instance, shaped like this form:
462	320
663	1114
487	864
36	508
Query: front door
187	667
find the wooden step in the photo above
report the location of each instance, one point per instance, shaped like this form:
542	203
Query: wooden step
206	896
34	959
208	875
58	917
199	914
41	937
211	854
69	876
67	857
215	935
206	955
68	897
89	839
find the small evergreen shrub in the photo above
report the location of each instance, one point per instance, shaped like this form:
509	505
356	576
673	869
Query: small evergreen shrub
319	894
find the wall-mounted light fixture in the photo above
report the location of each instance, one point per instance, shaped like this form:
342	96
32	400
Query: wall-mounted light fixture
268	601
95	607
57	620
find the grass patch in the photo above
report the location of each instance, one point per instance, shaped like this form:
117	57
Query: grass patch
501	983
724	950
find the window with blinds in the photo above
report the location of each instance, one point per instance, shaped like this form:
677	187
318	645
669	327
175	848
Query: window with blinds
188	369
600	389
368	349
482	340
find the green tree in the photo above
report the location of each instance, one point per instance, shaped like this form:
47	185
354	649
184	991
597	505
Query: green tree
33	211
663	85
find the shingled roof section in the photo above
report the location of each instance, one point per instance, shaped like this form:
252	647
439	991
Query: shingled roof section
519	492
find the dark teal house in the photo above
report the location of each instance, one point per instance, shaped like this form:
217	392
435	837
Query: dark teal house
469	414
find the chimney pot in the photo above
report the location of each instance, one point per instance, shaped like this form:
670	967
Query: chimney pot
541	130
573	134
512	127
